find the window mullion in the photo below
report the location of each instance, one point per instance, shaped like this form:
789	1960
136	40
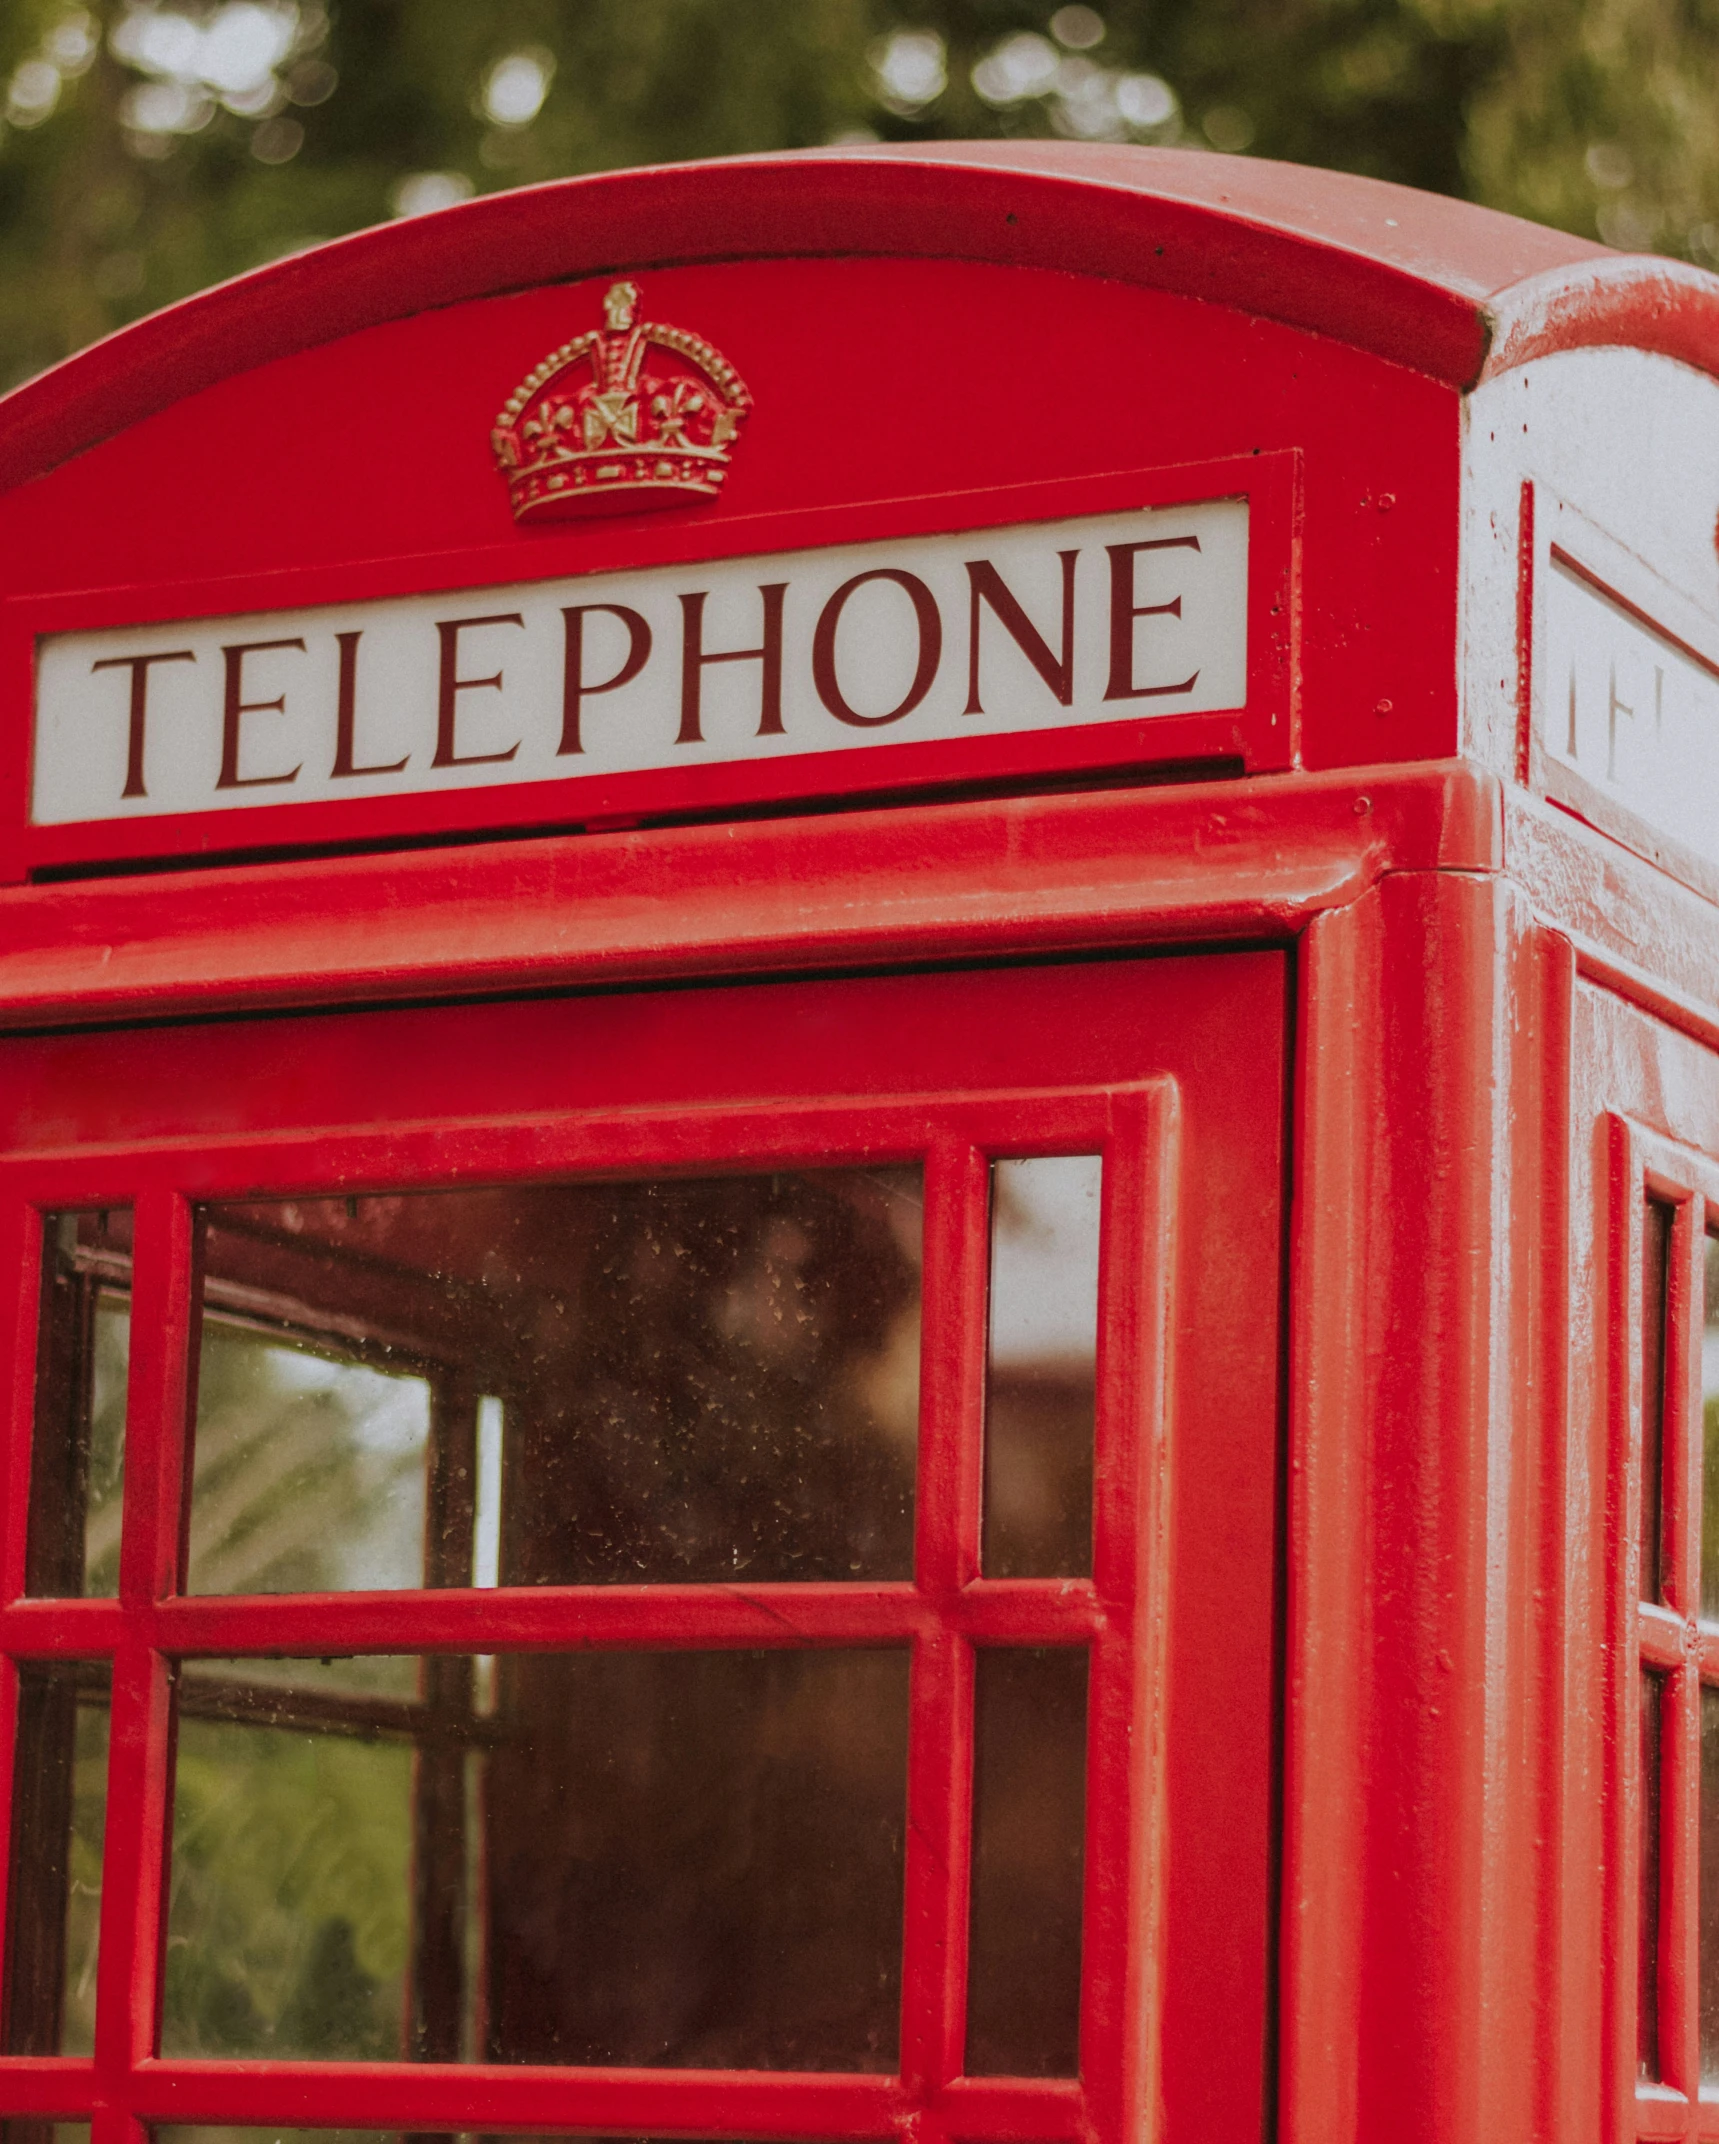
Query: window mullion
157	1410
133	1859
20	1265
1121	1981
946	1546
140	1745
1681	1837
1680	1817
946	1557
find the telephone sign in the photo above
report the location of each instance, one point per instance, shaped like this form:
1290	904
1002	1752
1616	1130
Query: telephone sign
1059	625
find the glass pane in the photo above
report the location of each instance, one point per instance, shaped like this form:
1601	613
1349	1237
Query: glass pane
1709	1997
1655	1304
1029	1810
1647	1918
309	1472
77	1456
287	1913
643	1858
1710	1438
59	1811
1040	1382
561	1384
23	2131
186	2134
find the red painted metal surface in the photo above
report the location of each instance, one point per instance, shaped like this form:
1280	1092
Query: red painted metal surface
1419	279
1198	286
1360	1872
975	880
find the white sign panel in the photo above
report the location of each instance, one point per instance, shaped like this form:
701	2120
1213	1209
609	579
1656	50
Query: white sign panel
1630	710
992	632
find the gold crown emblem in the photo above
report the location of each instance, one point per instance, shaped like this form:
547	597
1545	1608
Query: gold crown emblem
592	430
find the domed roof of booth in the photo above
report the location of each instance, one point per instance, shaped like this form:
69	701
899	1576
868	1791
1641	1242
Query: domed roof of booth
1451	290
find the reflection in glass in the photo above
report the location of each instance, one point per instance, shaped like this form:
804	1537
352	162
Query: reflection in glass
187	2133
1710	1437
1655	1308
77	1455
292	1839
59	1811
309	1472
1029	1812
642	1858
1709	1886
1647	1915
201	2133
1040	1380
176	2133
560	1384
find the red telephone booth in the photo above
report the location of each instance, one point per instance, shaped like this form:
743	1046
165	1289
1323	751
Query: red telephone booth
859	1164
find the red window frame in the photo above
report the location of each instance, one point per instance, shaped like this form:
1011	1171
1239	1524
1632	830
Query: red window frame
942	1615
1667	1638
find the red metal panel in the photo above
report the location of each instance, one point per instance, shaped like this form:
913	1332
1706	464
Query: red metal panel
1421	1441
1397	271
1379	528
979	880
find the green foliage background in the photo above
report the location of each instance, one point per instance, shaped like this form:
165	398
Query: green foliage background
1599	115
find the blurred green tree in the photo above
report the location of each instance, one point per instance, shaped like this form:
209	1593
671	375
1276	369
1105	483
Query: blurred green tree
148	147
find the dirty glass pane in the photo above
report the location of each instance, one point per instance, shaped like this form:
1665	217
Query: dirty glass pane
188	2133
1709	1887
309	1471
688	1859
59	1811
177	2133
21	2130
1029	1811
77	1456
1655	1307
1710	1439
1041	1372
1647	1916
289	1895
561	1384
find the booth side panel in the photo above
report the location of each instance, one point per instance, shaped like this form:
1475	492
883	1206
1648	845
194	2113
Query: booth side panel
1625	439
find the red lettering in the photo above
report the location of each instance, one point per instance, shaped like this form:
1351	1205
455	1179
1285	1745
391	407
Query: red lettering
234	708
346	715
450	685
1124	610
925	669
575	687
139	668
987	585
693	659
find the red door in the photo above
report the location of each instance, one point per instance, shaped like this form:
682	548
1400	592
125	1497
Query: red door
697	1561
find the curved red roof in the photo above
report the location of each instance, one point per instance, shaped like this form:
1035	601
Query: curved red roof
1451	290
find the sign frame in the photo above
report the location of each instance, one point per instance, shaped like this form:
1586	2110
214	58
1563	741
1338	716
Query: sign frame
1259	737
1560	537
